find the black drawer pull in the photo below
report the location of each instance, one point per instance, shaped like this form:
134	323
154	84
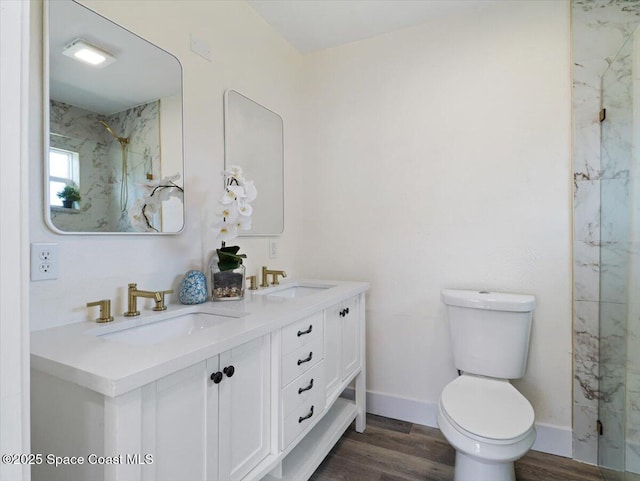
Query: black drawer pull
308	331
307	359
303	389
302	418
216	377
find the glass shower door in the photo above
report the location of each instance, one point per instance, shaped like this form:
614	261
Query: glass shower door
618	238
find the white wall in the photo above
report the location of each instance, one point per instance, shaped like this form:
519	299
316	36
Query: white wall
439	156
247	56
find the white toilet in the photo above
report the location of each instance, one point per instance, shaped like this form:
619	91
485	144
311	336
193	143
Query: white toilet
486	420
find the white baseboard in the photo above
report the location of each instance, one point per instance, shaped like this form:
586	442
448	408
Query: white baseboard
550	439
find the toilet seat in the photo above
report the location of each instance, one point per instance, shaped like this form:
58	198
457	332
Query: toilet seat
486	409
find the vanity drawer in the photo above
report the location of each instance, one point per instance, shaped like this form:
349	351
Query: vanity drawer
301	418
301	360
303	389
302	332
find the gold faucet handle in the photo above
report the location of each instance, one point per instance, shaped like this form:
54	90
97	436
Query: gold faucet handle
105	310
253	283
159	300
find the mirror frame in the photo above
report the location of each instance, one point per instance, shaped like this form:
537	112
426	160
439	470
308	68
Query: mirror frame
46	102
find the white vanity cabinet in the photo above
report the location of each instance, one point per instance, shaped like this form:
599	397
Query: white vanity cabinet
253	396
210	421
342	343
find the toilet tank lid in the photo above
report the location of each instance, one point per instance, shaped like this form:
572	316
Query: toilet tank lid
496	301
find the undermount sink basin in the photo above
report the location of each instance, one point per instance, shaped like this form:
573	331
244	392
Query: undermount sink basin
167	329
294	290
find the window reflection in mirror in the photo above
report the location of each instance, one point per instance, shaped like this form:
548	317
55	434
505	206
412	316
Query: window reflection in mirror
114	131
63	171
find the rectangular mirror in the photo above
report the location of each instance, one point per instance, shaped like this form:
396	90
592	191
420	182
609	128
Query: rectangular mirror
113	127
253	140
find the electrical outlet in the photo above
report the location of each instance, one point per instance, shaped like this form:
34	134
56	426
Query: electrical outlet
44	261
273	249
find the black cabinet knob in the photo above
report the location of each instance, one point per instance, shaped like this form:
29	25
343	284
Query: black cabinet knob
216	377
229	370
346	311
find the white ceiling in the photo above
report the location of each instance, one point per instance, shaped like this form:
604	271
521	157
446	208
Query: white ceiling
311	25
141	73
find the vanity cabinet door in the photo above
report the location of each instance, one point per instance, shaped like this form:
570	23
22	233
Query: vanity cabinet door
341	343
245	408
177	427
210	421
350	337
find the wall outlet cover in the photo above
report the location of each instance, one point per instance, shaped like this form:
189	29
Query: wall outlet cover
44	261
273	248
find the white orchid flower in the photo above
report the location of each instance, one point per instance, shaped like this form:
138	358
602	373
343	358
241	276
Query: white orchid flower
250	191
227	231
137	216
164	183
234	209
170	179
153	205
244	208
243	223
157	192
162	194
231	193
234	171
227	211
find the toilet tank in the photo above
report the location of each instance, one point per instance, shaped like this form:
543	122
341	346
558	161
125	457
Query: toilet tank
489	331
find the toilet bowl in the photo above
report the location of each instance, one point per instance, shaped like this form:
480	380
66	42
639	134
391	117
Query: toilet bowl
482	415
489	424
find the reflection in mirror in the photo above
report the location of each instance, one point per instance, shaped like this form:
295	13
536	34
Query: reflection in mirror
114	128
253	140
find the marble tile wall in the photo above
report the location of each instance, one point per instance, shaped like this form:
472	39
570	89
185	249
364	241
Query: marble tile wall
100	154
600	28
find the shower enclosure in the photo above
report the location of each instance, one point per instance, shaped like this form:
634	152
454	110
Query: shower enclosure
619	391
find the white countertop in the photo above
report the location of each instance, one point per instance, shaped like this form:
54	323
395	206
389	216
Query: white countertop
77	352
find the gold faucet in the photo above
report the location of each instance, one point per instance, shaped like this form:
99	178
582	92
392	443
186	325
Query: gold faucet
274	276
134	293
253	283
105	310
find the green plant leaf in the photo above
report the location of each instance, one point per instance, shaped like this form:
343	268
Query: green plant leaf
229	249
228	259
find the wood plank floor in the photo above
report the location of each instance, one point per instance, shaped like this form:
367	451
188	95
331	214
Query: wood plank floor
391	450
